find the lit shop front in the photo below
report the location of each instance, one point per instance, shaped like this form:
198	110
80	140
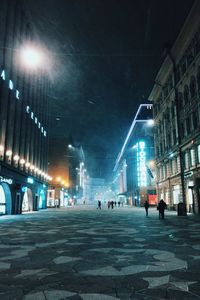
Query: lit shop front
19	193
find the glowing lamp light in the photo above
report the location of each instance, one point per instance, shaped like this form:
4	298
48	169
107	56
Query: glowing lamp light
8	153
22	161
27	164
1	148
150	122
58	179
16	157
30	56
32	167
39	172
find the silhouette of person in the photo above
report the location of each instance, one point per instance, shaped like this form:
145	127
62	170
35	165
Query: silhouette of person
146	206
161	208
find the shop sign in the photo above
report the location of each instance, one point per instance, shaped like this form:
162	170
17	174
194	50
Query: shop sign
6	180
188	174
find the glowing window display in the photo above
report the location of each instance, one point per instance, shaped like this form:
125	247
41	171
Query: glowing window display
141	164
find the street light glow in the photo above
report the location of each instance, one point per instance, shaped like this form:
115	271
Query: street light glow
31	57
150	122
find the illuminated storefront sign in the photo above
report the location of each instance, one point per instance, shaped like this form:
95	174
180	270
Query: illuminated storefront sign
6	180
141	164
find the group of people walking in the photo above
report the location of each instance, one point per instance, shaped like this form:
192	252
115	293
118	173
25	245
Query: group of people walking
110	204
161	208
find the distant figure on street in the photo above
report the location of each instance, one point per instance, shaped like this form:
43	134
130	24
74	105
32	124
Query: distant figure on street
115	203
108	204
161	208
118	203
146	206
99	204
112	204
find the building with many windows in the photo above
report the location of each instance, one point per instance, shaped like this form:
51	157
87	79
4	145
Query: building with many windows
176	99
23	113
134	178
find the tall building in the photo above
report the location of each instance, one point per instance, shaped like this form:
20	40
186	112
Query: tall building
134	181
176	99
66	166
23	113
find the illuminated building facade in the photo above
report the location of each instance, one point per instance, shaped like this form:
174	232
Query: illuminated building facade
134	179
176	100
23	117
67	169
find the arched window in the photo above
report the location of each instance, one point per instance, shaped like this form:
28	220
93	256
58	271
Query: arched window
192	86
198	78
186	94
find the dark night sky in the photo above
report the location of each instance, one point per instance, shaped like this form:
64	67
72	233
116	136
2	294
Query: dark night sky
106	54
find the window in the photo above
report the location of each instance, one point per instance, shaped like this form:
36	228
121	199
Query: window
192	157
180	100
192	86
198	153
194	120
186	94
186	160
182	127
188	127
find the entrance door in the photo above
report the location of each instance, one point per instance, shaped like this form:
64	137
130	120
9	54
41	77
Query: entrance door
5	199
2	201
27	202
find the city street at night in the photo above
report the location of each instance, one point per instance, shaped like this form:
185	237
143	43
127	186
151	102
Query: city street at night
84	253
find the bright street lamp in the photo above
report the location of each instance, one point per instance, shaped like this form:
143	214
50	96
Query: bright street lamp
31	56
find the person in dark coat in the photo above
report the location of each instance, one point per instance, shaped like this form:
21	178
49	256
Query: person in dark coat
146	206
99	204
161	208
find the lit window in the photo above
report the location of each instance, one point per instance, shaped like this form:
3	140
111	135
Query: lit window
192	157
198	152
45	133
186	161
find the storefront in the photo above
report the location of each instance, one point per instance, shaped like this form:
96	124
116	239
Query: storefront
19	193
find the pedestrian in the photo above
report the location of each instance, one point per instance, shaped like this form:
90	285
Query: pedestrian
161	208
118	203
108	204
115	203
112	204
99	204
146	206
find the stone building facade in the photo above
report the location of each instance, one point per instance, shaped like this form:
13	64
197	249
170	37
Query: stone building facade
176	99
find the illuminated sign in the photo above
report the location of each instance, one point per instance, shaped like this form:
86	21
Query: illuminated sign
10	84
30	180
141	164
6	180
17	96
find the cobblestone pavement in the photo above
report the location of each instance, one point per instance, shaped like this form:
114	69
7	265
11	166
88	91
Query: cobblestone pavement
85	253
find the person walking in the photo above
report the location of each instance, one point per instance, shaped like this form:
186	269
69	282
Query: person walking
146	206
161	208
99	204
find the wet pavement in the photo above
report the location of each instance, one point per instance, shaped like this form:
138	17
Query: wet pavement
85	253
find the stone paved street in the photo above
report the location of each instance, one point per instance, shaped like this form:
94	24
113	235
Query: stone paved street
85	253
